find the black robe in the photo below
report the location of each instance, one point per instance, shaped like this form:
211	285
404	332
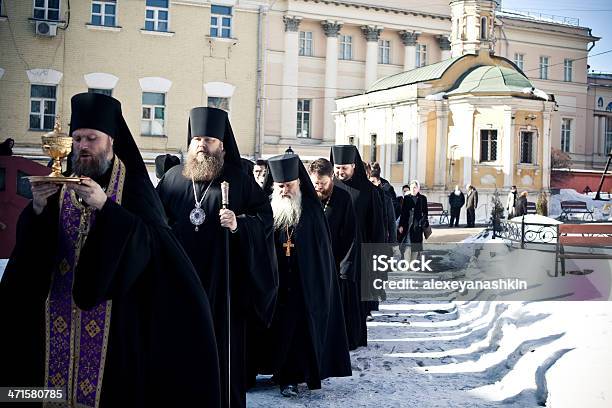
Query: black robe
253	273
161	336
414	215
340	216
307	339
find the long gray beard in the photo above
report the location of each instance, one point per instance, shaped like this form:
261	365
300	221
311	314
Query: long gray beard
287	211
96	168
203	167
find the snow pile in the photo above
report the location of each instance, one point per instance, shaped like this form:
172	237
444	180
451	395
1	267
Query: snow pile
601	209
3	263
472	354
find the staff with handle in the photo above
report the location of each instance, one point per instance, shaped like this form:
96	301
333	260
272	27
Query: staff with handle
225	206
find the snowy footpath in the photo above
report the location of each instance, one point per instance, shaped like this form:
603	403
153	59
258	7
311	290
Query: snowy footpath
473	354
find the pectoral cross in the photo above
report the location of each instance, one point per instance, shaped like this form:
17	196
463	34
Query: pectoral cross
288	245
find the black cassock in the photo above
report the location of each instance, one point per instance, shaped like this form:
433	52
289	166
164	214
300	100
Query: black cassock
307	339
253	274
161	345
340	216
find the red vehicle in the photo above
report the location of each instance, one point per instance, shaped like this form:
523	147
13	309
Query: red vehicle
15	194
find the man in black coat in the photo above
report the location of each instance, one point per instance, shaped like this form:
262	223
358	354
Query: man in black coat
98	296
414	217
191	195
307	339
340	215
456	199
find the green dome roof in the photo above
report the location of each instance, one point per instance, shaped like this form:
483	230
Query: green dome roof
490	79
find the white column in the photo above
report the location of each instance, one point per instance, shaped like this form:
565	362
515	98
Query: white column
421	161
508	148
595	134
409	39
546	150
372	34
602	135
389	142
441	146
445	47
331	29
414	144
290	78
406	156
467	147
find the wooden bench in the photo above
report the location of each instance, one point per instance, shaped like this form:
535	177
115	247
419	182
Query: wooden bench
531	207
575	207
437	209
584	239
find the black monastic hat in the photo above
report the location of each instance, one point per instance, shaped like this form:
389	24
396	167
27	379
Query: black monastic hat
343	154
204	121
165	162
95	111
284	167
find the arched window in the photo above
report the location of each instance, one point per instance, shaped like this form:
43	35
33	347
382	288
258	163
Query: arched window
600	102
483	28
609	107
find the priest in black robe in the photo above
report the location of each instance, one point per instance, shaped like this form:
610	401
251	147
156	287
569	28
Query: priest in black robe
307	340
98	296
191	195
340	215
350	175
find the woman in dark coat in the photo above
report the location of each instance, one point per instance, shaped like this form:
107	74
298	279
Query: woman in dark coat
521	204
413	217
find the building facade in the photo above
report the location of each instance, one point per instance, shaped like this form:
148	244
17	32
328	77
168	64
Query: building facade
158	57
322	50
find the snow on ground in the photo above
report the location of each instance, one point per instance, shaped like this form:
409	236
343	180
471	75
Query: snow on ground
511	354
3	263
601	209
474	353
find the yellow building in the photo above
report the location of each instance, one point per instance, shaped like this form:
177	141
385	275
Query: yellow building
473	119
158	57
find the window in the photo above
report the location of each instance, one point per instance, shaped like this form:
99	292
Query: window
483	28
600	102
488	145
608	135
345	51
24	188
544	67
566	134
384	50
42	107
103	12
303	118
156	17
567	70
373	148
519	60
220	21
107	92
46	9
421	55
2	179
153	114
399	143
526	147
609	107
218	102
306	43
